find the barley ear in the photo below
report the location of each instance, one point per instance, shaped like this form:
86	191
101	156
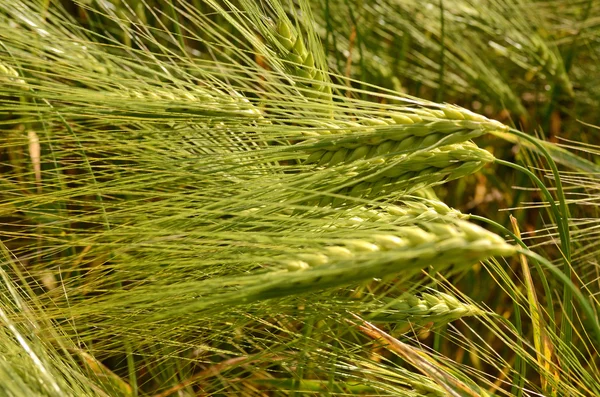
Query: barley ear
436	307
300	61
398	175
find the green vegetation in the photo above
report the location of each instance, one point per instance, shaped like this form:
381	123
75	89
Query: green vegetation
328	197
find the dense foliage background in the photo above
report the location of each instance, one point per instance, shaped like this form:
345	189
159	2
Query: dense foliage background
324	197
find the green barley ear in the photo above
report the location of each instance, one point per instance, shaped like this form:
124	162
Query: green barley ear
405	131
329	258
403	174
423	209
300	61
436	307
435	370
191	100
292	49
404	248
407	210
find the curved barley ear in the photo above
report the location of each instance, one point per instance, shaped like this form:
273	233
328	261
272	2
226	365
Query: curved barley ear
399	175
423	210
405	248
431	368
327	258
405	131
192	100
407	211
333	260
300	60
436	307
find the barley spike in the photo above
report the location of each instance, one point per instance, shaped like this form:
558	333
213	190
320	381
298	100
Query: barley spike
301	62
406	248
435	307
406	173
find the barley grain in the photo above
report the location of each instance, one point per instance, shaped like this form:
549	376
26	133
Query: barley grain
409	211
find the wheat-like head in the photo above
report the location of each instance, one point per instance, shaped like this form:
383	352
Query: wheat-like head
404	173
420	244
436	307
404	131
300	61
192	99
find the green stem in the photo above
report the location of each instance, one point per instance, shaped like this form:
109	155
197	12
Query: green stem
440	92
558	273
175	17
566	327
559	189
545	285
555	211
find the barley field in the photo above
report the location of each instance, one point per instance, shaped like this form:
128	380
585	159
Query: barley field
299	198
